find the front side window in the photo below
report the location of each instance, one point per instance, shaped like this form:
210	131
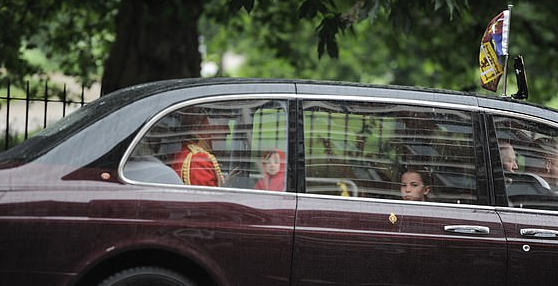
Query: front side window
529	158
390	151
238	144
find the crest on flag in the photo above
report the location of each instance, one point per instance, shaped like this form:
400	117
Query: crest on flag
494	44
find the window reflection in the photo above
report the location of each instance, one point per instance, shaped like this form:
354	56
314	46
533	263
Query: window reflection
366	147
219	144
532	178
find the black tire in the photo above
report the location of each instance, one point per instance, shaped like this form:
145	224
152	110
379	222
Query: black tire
147	276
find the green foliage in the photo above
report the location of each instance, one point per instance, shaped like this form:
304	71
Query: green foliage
36	57
431	43
426	43
553	103
80	38
239	4
17	22
73	35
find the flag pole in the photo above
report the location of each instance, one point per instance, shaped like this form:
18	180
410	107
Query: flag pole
506	56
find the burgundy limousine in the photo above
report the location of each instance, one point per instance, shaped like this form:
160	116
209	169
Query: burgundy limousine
255	182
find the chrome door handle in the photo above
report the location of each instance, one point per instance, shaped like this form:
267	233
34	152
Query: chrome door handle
467	229
538	232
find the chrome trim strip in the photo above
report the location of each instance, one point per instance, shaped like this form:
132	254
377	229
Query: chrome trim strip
171	188
73	218
521	210
399	202
389	100
395	234
493	111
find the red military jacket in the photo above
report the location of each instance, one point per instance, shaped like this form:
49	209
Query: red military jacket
196	166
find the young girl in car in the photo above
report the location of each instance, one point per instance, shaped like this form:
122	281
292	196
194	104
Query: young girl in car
273	169
415	185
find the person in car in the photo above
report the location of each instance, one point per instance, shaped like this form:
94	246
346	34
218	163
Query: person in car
508	157
543	161
195	164
416	184
509	160
273	169
551	165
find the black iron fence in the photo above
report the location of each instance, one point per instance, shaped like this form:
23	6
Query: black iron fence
21	115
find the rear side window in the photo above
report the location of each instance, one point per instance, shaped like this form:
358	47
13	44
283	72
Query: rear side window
238	144
529	157
365	149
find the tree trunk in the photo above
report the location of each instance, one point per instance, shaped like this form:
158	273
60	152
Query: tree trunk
155	40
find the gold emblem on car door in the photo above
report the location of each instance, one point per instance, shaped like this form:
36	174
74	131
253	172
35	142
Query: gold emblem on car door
392	218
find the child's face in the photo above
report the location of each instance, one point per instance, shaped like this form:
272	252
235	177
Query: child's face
272	164
412	187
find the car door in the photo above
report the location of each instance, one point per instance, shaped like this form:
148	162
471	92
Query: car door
531	216
352	226
238	227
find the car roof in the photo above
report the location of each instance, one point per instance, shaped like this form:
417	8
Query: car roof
146	89
327	87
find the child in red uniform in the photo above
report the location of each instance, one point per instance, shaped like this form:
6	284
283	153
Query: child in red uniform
273	167
195	164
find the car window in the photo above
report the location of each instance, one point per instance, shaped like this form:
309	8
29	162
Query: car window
529	157
364	149
238	144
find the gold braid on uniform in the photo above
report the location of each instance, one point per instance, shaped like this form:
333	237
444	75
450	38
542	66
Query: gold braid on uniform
194	149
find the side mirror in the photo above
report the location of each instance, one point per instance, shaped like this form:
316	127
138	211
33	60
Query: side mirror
519	69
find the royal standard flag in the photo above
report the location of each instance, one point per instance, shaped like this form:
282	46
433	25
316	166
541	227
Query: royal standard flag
494	44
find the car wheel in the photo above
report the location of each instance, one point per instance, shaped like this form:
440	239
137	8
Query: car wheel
147	276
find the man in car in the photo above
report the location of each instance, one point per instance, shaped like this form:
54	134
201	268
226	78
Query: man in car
551	165
509	160
508	157
195	164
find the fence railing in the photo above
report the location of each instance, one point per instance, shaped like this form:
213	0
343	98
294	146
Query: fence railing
22	115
